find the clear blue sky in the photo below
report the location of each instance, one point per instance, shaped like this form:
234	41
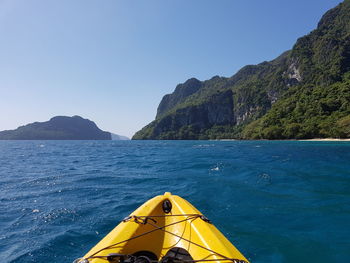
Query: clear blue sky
112	61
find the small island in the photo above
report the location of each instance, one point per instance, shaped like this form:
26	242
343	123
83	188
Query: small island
58	128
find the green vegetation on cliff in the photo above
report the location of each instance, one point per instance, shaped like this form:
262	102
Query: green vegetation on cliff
304	93
306	112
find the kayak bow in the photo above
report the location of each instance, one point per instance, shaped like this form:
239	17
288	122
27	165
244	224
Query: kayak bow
165	229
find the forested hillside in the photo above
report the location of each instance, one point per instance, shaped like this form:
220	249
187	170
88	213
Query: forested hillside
304	93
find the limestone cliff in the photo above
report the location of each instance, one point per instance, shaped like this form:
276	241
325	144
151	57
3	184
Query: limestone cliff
303	93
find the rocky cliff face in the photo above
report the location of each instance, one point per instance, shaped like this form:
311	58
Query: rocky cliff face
223	107
181	92
58	128
218	110
194	118
196	107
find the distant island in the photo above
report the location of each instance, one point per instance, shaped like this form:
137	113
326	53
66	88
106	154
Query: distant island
302	94
117	137
58	128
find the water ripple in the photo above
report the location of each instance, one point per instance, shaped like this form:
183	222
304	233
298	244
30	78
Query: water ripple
276	201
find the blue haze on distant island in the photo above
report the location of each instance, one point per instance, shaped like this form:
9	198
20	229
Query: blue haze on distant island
119	137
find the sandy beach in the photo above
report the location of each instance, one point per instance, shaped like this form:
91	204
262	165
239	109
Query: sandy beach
328	140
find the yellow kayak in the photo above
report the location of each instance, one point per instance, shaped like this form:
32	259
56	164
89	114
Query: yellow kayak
165	229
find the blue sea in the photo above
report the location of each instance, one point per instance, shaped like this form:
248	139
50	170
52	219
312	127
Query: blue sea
275	201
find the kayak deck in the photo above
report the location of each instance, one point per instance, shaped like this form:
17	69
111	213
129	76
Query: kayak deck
163	226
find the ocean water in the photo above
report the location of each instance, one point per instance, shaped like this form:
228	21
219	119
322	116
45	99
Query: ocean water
276	201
